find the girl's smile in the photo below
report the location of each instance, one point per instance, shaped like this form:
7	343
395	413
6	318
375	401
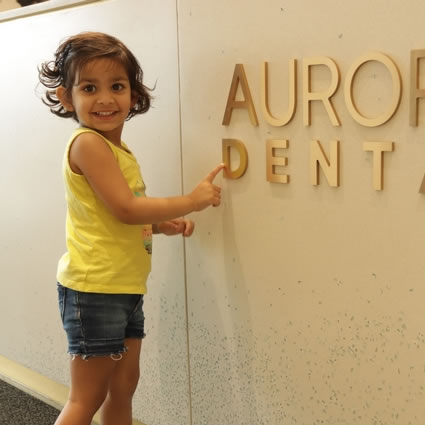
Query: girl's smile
104	115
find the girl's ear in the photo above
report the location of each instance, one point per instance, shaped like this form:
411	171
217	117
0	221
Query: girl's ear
64	98
134	99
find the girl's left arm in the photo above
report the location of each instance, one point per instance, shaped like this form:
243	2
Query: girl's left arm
177	226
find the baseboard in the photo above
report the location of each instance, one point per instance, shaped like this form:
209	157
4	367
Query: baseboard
37	385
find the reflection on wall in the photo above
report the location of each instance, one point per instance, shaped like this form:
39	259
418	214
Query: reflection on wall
8	5
23	3
13	4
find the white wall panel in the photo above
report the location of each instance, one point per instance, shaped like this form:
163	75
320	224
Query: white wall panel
32	141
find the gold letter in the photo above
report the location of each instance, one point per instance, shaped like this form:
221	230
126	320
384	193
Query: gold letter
415	91
348	89
272	161
278	122
239	77
243	158
330	168
378	149
324	96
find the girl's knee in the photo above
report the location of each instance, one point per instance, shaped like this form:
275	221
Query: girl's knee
87	406
124	387
88	400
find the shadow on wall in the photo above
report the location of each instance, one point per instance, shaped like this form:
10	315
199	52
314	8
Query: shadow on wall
223	344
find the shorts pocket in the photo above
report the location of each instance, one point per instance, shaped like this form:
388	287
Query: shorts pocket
61	300
138	307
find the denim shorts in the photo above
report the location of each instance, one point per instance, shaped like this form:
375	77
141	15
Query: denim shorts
97	324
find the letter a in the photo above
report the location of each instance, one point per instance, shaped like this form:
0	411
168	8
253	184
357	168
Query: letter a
239	77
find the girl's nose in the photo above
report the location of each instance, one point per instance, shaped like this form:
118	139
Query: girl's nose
104	98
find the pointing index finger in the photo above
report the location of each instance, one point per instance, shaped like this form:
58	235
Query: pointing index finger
211	176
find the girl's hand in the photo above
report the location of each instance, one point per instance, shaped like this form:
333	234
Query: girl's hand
207	193
176	227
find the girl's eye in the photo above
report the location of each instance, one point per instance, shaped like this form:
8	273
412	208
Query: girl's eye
90	88
117	86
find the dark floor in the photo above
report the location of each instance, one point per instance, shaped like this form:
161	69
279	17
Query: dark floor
19	408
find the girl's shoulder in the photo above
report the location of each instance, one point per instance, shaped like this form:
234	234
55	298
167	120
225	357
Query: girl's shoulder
86	146
88	133
83	135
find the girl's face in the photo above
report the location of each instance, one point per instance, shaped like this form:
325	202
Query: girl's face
101	97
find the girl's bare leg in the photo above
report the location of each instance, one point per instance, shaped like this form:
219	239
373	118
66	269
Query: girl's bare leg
89	384
117	407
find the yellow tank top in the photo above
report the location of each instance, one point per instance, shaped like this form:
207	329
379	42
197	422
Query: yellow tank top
103	254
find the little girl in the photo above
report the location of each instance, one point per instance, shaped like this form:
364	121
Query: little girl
97	81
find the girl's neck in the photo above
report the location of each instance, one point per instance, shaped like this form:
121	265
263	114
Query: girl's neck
114	136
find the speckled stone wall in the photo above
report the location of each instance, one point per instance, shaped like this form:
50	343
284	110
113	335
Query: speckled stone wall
305	302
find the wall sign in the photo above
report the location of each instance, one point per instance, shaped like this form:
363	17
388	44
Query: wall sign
329	162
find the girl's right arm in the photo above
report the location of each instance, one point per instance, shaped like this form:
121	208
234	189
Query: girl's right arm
89	155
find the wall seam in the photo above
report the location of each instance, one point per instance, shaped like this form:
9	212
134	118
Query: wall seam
183	191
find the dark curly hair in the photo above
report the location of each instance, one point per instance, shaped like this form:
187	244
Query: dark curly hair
74	53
